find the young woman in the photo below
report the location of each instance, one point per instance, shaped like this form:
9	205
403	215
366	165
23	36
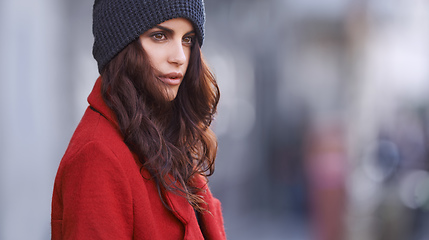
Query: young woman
137	164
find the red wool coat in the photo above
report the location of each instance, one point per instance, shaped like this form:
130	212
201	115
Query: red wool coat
101	190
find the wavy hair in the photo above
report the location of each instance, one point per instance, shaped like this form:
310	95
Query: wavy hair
172	139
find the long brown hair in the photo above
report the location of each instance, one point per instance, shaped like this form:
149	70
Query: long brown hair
171	138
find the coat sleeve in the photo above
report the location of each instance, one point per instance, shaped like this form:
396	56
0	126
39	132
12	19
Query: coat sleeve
95	196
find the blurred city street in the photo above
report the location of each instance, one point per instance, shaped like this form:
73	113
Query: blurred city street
323	122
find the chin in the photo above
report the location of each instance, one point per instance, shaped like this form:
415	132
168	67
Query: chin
171	96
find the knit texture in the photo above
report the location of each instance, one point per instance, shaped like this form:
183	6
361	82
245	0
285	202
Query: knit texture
117	23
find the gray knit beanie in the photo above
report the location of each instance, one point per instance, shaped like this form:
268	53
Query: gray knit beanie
116	23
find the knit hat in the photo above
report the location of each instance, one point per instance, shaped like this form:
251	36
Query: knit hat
116	23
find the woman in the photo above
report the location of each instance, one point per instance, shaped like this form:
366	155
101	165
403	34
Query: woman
137	164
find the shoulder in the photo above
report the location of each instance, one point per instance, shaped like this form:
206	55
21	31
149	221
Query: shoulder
95	168
91	162
95	131
97	144
90	188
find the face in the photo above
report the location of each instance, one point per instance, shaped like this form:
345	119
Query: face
168	46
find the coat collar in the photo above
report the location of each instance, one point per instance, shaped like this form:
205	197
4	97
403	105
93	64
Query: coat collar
96	101
212	221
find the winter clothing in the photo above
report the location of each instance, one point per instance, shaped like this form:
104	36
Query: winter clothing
102	191
117	23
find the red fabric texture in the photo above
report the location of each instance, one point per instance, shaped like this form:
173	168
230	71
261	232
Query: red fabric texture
101	190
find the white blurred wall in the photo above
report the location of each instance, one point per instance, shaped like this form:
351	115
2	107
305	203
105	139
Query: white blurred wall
37	107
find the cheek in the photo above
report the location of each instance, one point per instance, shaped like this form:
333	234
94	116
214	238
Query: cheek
155	57
153	52
188	55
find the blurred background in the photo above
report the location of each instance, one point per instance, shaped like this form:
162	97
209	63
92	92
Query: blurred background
323	124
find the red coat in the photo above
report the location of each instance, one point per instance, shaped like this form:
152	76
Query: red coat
102	191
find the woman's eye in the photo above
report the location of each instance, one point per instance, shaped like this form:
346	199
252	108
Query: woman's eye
159	36
188	40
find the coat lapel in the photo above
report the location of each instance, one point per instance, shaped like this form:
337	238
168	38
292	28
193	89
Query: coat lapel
211	221
185	213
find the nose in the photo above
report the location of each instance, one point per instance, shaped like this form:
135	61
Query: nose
177	53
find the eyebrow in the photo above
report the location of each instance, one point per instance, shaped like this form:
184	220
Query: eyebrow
172	31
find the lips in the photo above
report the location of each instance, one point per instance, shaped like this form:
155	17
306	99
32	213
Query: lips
171	78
